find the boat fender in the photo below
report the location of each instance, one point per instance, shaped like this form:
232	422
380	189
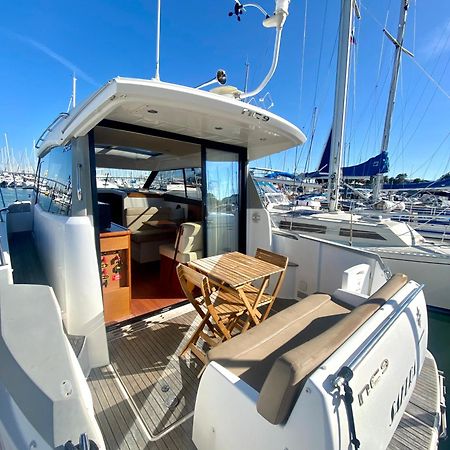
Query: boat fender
344	375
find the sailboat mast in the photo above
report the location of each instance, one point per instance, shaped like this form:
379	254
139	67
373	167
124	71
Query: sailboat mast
404	5
340	103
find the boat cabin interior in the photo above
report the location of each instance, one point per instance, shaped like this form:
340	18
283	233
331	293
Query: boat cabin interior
175	199
157	199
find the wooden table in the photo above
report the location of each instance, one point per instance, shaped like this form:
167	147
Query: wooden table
237	271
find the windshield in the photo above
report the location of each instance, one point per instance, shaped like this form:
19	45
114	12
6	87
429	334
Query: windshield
167	181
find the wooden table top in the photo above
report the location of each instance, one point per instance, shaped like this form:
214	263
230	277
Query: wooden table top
235	269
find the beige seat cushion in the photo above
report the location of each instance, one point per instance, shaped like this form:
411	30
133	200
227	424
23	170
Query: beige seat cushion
135	217
168	251
277	356
251	355
191	238
152	234
190	244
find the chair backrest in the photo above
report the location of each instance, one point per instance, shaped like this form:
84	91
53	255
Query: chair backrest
277	260
273	258
191	280
190	238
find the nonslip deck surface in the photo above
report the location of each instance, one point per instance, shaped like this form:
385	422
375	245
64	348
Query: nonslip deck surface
146	397
135	410
417	429
27	267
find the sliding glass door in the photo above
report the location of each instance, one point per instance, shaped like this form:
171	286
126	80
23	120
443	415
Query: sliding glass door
223	199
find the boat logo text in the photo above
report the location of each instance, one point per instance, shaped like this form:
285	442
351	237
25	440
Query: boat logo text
255	115
374	379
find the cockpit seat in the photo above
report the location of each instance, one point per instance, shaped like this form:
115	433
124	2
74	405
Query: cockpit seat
276	357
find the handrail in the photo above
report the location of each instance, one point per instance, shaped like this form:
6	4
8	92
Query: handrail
2	256
379	332
50	128
85	104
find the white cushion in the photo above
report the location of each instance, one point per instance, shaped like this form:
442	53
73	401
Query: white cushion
168	251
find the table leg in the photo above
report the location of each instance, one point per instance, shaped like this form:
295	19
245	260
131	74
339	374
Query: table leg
252	311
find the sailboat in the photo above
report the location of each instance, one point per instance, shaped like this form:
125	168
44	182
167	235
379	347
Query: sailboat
400	246
83	367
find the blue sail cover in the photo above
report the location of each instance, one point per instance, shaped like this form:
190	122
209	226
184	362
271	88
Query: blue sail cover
373	166
277	173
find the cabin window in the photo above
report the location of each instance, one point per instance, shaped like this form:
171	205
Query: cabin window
54	190
302	227
361	234
186	183
222	172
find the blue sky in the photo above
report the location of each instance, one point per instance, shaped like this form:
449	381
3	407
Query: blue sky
43	42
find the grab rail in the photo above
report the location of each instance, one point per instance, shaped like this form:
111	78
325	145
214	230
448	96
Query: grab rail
2	256
50	128
379	332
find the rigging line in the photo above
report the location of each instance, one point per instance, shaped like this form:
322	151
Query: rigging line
414	28
320	52
430	158
330	65
448	159
436	83
374	127
382	46
419	101
313	133
427	107
303	57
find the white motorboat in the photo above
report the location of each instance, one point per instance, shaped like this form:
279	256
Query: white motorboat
67	272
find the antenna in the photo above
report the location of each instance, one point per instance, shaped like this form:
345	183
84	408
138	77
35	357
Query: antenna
73	97
275	21
247	71
74	91
158	34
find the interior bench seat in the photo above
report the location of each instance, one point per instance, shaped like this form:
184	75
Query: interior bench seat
277	356
146	239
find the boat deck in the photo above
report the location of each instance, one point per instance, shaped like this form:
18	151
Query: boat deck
25	260
418	428
145	398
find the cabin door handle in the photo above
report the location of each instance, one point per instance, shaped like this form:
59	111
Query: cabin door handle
79	191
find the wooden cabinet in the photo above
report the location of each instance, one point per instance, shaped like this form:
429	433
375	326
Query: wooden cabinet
116	273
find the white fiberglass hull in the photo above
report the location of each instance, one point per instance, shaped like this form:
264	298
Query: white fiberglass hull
433	272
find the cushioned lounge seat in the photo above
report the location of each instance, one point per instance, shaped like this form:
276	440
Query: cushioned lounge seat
146	239
277	356
190	244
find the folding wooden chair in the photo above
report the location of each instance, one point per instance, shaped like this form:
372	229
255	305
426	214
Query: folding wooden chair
256	294
219	313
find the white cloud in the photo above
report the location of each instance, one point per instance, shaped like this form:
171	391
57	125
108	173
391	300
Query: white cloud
438	41
55	56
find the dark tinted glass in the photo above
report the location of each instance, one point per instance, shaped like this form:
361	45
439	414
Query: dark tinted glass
55	181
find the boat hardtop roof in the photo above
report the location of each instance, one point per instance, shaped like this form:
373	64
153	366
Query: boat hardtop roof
176	109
